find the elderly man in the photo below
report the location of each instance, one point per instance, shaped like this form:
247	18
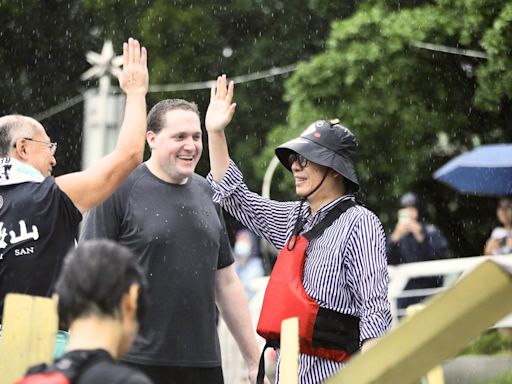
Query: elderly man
39	214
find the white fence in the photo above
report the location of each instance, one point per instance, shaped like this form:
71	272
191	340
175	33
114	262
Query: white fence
449	269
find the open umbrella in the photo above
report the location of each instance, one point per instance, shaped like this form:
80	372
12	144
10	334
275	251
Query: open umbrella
486	170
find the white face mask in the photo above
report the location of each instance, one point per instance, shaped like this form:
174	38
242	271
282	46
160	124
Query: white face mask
242	248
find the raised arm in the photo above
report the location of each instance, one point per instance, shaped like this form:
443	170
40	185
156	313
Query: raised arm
91	186
219	114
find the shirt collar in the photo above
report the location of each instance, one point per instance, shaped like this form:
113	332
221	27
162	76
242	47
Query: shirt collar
320	214
327	207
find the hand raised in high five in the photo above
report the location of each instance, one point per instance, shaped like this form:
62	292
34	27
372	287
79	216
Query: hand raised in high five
221	109
134	76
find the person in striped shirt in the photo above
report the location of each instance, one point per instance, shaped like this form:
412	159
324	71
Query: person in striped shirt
344	271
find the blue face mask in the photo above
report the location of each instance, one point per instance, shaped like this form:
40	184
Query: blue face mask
242	249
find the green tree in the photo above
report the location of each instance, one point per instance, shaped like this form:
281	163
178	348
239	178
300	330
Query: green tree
42	54
412	108
196	41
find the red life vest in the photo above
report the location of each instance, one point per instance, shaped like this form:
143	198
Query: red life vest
322	332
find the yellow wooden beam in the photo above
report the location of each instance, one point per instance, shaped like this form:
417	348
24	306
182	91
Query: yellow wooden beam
435	375
447	324
289	366
29	328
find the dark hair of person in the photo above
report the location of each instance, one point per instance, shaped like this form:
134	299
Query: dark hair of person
95	277
156	116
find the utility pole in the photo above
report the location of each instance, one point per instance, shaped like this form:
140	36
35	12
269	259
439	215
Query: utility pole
103	111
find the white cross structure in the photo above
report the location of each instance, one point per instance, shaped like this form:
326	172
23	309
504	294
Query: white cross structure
103	111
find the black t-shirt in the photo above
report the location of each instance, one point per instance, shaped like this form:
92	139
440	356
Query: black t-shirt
38	225
180	238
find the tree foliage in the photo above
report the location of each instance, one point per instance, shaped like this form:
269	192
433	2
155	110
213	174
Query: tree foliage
412	108
42	54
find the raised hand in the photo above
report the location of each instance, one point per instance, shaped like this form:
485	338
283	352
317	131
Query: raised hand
134	76
221	109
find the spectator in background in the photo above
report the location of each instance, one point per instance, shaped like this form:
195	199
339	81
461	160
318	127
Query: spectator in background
413	240
248	262
500	242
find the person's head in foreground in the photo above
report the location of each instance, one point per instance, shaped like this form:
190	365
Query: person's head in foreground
25	139
101	287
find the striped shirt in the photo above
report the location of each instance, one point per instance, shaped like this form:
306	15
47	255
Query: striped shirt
345	268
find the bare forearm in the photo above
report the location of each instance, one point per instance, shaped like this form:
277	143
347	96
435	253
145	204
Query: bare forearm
234	309
132	134
219	154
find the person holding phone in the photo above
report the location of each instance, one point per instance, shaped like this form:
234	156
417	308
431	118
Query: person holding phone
414	240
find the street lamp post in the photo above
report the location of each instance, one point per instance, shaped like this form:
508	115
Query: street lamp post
103	111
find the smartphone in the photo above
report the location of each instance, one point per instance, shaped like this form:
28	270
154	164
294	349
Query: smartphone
404	215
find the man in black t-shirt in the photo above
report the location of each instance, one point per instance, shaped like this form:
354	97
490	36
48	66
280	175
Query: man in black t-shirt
39	214
102	294
165	214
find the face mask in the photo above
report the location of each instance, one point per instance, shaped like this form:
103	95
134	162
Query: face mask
242	248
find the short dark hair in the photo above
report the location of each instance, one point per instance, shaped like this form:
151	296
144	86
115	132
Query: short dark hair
95	276
156	116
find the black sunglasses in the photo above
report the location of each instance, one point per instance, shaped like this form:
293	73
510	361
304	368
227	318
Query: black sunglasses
293	157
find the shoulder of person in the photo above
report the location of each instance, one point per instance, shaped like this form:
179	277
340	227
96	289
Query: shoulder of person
201	182
362	211
431	229
137	175
499	233
199	179
113	372
48	184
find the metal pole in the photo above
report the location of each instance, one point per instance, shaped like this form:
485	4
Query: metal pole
266	248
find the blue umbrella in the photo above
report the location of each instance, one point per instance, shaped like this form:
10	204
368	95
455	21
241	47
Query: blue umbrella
486	170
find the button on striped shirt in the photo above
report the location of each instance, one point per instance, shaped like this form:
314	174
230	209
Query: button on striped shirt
345	268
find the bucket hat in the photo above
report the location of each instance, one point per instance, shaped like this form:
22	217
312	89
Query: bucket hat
328	143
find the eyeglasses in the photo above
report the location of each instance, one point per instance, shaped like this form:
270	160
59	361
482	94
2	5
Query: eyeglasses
303	162
51	146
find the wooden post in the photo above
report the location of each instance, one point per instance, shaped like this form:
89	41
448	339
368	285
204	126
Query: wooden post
289	367
29	328
435	375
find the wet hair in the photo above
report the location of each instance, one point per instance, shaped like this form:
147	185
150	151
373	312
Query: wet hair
95	277
156	116
12	128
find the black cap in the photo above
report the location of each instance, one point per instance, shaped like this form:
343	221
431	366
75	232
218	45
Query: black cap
328	143
409	200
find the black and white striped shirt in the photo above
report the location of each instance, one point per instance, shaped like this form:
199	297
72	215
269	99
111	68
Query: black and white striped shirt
345	268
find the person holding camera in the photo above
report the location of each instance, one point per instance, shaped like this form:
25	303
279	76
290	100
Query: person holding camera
413	240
